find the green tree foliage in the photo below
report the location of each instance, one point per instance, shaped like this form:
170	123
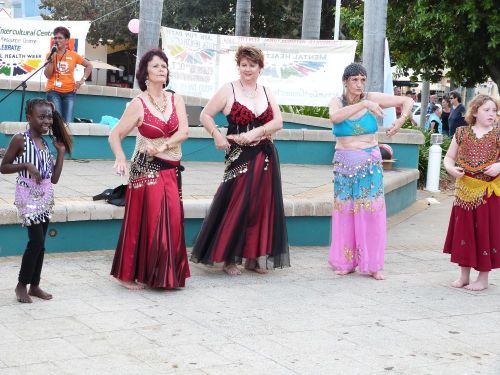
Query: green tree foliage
110	30
427	36
277	19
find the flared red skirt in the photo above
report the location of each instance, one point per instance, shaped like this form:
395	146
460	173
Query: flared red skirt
151	248
473	237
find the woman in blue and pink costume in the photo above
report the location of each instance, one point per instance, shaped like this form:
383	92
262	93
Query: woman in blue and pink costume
358	219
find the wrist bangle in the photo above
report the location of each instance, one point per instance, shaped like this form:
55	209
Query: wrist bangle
213	131
265	130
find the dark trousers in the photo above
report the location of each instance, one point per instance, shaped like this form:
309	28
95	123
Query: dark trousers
31	265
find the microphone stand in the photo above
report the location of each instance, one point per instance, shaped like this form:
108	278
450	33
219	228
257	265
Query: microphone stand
24	86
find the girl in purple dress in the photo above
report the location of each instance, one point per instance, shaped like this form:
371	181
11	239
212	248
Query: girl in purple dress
28	155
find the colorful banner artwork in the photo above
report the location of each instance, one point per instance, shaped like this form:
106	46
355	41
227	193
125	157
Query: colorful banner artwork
24	45
301	72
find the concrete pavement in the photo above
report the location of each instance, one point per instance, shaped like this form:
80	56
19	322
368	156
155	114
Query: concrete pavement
300	320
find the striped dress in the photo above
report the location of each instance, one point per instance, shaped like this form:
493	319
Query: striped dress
34	201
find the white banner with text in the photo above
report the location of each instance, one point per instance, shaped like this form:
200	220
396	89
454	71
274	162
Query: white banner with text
299	72
24	45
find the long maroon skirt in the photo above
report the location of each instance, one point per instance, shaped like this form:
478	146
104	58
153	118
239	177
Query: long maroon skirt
151	248
247	218
473	238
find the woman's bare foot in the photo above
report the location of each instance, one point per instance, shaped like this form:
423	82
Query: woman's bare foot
22	294
35	291
378	275
480	284
343	272
253	265
132	285
231	270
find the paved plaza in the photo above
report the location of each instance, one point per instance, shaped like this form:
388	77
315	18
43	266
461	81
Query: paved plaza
300	320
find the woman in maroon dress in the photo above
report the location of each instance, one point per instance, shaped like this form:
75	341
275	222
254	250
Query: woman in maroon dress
151	250
246	219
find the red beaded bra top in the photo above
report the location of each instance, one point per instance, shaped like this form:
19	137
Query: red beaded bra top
154	127
475	154
241	119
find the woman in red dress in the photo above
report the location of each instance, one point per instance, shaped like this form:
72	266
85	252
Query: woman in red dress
473	158
246	219
151	250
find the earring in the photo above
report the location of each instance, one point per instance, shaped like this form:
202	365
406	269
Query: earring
147	83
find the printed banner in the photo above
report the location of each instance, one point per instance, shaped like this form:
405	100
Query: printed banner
301	72
24	46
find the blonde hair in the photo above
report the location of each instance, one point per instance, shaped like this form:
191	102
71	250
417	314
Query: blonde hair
251	53
474	105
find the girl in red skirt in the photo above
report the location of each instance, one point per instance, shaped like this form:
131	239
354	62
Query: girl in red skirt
473	238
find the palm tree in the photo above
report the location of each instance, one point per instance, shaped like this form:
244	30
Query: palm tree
311	19
243	10
149	30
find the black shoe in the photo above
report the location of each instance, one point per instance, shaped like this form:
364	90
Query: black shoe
104	195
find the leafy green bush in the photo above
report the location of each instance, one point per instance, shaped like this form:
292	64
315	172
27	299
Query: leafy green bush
305	110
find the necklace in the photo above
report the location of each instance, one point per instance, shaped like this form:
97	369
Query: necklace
162	106
249	94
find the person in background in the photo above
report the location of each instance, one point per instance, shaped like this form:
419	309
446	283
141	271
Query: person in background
61	86
457	114
434	123
445	114
398	108
432	102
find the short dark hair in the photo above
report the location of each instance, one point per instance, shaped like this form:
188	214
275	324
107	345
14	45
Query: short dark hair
353	69
456	94
62	30
435	107
142	71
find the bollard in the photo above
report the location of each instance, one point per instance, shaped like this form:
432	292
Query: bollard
434	166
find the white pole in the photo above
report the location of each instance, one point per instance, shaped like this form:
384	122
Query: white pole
434	165
337	20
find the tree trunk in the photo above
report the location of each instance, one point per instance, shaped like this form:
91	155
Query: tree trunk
327	19
149	29
424	102
374	27
311	19
243	11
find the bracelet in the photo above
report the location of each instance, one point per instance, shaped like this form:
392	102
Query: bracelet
405	115
213	131
265	130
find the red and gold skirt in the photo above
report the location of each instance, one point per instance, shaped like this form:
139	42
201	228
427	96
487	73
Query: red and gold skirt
473	238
